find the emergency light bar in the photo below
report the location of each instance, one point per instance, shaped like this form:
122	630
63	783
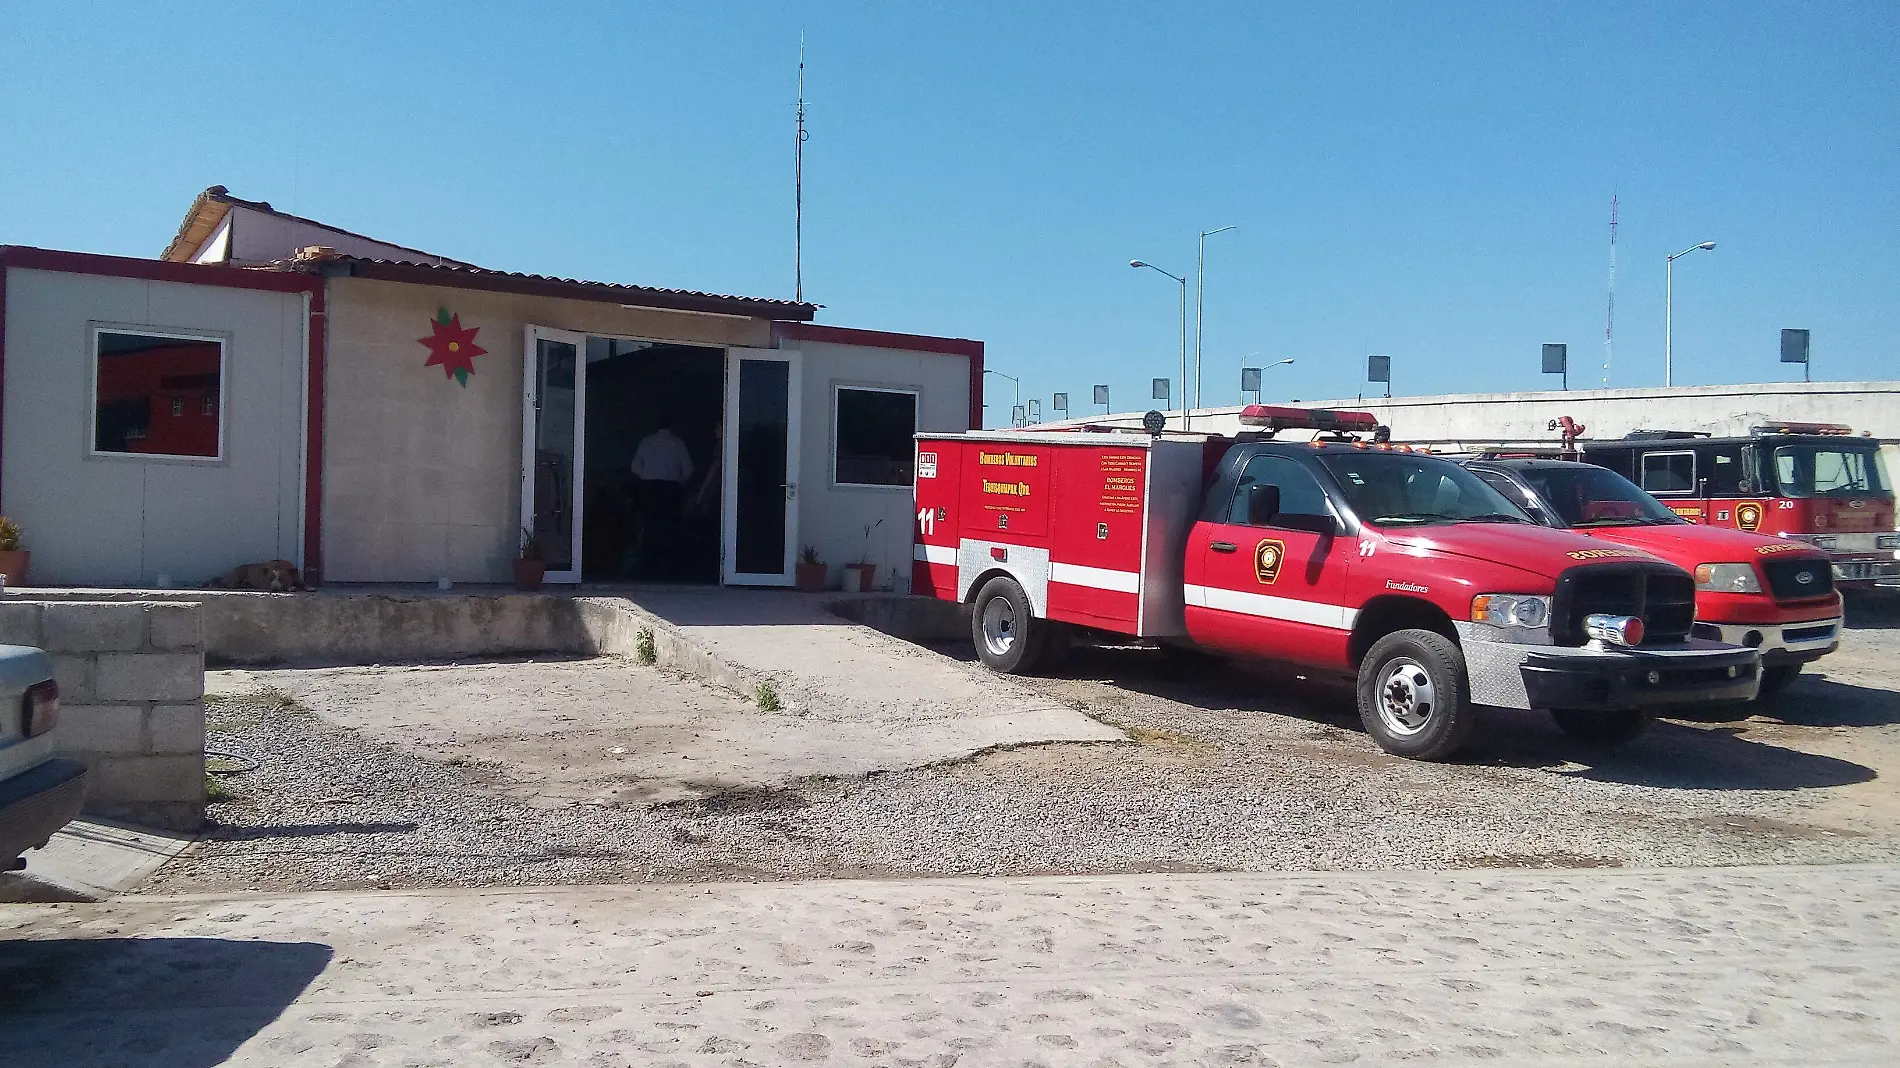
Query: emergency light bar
1275	417
1803	428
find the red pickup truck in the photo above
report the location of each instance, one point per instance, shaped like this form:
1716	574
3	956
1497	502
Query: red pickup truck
1402	569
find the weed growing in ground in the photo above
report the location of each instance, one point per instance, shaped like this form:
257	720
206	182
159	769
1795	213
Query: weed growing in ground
214	789
767	697
643	647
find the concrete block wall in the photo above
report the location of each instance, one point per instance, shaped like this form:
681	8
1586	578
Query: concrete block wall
131	683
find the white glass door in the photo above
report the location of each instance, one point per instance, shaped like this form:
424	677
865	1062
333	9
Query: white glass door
554	446
760	504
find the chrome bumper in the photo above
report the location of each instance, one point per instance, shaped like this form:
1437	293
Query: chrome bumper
1791	641
1502	674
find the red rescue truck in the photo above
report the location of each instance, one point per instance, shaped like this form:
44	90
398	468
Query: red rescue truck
1338	554
1767	593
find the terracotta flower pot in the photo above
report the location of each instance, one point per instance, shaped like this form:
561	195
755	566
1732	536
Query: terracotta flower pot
810	578
529	573
13	565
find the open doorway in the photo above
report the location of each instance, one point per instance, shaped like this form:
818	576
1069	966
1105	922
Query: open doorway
661	405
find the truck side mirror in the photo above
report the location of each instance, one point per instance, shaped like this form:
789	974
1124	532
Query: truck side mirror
1263	504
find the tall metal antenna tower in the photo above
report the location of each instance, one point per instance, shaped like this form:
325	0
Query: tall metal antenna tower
1609	317
798	185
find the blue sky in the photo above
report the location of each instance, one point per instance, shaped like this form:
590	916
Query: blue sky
1429	181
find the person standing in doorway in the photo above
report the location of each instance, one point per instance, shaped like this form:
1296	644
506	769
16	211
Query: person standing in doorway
662	466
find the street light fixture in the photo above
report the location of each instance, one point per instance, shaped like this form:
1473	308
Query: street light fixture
1184	363
1016	397
1669	311
1252	374
1200	293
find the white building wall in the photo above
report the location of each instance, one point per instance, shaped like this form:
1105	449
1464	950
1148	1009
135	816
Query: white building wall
832	517
125	520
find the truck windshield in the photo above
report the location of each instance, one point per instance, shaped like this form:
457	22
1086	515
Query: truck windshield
1406	489
1831	471
1584	495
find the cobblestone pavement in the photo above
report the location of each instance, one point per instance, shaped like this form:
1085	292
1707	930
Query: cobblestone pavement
1679	967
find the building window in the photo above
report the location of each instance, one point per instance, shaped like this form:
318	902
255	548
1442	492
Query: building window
1667	473
875	431
138	377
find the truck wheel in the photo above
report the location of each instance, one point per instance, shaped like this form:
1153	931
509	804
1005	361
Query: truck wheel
1778	678
1008	638
1602	728
1412	695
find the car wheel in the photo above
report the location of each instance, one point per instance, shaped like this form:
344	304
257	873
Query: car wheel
1778	678
1412	695
1008	637
1602	728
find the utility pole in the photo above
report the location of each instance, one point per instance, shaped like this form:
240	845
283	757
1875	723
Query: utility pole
798	185
1609	319
1200	284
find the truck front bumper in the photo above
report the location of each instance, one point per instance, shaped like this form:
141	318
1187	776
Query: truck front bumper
1599	677
1780	643
37	802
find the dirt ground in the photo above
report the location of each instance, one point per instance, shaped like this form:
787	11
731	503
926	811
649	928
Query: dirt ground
490	774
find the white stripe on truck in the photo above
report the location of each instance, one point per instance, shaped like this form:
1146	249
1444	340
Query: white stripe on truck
1312	613
1096	578
937	554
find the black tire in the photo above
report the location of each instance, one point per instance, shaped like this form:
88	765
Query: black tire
1602	728
1016	646
1412	695
1778	678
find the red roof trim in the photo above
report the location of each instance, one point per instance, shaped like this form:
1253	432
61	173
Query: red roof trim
845	335
202	274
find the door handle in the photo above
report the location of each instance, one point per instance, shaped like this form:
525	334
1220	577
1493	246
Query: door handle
1222	546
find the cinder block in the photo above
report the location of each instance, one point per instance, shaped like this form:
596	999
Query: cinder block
166	815
92	730
176	626
93	628
19	624
177	728
147	778
74	675
167	677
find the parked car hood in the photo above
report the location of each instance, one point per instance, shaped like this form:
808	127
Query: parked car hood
1525	547
1689	544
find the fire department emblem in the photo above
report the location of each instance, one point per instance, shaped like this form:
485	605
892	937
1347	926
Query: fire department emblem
1748	515
1267	557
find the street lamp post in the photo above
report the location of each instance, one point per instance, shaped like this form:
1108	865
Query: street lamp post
1016	395
1669	311
1256	375
1200	286
1184	363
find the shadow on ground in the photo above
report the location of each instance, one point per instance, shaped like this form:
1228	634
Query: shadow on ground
145	1002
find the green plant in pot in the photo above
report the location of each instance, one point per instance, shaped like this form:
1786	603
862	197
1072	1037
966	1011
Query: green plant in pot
13	559
531	566
811	571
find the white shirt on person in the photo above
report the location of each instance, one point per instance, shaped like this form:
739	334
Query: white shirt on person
662	457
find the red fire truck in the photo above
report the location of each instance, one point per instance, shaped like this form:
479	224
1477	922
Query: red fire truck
1339	554
1814	482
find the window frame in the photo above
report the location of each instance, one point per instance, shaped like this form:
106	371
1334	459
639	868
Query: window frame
219	337
1642	473
916	420
1236	498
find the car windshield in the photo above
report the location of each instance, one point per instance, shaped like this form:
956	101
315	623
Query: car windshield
1584	495
1831	471
1407	489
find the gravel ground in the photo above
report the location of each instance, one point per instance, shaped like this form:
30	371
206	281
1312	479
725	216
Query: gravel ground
1230	770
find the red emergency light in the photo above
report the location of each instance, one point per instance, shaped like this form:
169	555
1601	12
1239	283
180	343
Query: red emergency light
1803	428
1275	417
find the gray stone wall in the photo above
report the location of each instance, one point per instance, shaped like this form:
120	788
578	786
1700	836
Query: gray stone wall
131	683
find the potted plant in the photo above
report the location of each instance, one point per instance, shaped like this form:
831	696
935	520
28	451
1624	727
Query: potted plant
861	577
810	573
531	566
13	559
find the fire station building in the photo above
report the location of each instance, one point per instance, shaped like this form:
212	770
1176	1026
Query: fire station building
272	387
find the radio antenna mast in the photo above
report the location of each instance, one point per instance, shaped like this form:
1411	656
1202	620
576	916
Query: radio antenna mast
1609	318
798	185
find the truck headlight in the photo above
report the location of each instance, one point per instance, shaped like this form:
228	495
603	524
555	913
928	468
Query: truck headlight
40	708
1887	541
1819	541
1510	610
1726	578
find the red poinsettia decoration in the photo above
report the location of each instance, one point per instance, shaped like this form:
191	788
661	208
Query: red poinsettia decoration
452	345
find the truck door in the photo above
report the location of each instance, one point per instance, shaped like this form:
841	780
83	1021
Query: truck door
1273	588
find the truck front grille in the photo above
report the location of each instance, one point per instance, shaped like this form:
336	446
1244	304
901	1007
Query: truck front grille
1663	597
1786	582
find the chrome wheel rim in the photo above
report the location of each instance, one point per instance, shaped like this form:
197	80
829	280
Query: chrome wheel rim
999	626
1406	697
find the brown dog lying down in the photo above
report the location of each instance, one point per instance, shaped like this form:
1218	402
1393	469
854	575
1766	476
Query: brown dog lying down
274	576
